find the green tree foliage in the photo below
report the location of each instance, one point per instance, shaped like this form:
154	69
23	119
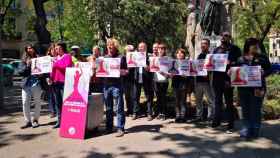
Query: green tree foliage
88	22
256	19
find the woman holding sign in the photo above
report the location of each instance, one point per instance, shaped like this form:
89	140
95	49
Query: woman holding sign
161	86
96	85
30	88
51	98
251	98
62	61
179	85
113	89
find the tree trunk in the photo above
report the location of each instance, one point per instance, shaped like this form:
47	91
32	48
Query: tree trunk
44	36
2	18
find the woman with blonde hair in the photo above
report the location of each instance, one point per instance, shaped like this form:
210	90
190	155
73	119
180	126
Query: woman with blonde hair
51	98
95	83
113	91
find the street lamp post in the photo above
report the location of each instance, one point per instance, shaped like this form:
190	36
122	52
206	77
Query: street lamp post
1	72
1	61
59	13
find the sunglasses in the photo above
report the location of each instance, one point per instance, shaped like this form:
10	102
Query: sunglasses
226	35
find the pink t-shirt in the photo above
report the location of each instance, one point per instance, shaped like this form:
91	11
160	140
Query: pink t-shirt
59	67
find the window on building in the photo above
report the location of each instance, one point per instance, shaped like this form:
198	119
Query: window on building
275	53
274	45
278	42
13	5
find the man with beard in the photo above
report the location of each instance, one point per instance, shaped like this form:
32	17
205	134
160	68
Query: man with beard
221	83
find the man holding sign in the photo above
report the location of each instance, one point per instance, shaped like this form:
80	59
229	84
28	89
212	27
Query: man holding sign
221	82
142	78
202	86
113	90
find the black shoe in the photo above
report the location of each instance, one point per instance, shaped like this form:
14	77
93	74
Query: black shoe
128	114
177	120
35	124
120	133
163	117
52	115
149	118
183	120
134	117
197	120
255	132
229	131
158	117
26	125
215	124
57	125
109	131
230	126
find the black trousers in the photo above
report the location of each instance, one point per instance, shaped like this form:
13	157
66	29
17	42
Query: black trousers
221	91
128	93
161	93
149	94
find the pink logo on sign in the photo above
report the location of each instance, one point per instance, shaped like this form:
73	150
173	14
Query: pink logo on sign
74	110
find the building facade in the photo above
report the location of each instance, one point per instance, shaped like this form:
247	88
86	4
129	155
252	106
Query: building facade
274	46
15	35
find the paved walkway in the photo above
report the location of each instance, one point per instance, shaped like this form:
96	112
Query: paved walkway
156	139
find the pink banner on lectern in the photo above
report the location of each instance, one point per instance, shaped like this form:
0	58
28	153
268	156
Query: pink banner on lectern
75	100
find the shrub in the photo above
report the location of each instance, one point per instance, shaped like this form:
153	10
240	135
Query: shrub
272	99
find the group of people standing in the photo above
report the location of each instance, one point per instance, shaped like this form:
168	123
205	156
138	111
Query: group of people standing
216	86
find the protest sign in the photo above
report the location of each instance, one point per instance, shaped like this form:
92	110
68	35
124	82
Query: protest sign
183	67
75	100
216	62
196	68
246	76
164	64
136	59
141	59
41	65
108	67
131	59
89	65
154	64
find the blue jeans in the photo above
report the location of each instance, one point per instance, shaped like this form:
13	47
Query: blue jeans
251	109
111	93
58	94
51	99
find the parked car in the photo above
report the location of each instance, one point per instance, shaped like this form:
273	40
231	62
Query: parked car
276	68
16	65
8	73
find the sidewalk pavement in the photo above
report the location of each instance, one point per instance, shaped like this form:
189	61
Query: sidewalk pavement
143	139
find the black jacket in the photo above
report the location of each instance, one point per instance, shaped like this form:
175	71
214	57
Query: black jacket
25	72
258	60
219	78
